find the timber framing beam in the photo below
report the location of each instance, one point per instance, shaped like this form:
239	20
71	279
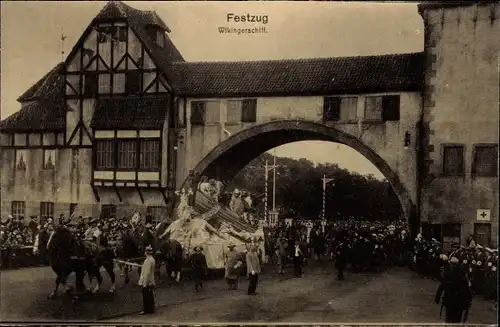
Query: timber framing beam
96	193
118	193
140	194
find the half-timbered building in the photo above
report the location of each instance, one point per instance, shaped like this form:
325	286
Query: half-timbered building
119	125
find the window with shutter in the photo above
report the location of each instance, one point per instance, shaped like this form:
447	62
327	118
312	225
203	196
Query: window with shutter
234	111
331	108
122	33
485	160
212	112
453	160
198	112
373	108
390	107
348	109
249	111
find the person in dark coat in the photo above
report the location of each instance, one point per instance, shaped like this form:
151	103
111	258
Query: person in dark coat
341	260
457	293
297	259
199	265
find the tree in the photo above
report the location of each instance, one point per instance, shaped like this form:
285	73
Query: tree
299	190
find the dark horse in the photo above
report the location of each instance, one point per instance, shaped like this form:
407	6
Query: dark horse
102	256
130	248
66	255
169	253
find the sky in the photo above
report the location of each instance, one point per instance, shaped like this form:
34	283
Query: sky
31	42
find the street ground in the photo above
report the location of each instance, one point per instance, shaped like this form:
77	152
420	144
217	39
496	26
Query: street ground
397	295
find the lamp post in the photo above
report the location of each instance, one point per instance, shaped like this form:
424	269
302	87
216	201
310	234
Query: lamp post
267	168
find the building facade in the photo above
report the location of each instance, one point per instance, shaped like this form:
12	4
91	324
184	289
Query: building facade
461	117
120	125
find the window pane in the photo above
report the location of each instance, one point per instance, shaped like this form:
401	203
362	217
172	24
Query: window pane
104	155
150	155
453	160
198	112
127	154
390	107
212	113
373	108
46	210
91	84
485	161
348	109
331	108
234	111
249	114
17	209
133	82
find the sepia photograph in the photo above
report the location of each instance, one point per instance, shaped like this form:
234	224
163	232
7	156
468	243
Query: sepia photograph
249	162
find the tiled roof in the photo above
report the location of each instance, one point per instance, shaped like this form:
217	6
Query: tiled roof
39	115
51	85
130	113
398	72
452	4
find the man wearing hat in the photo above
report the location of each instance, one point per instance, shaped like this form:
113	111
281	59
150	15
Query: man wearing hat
233	262
199	265
457	293
147	281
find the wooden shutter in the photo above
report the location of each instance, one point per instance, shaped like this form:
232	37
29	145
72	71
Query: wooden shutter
373	108
234	111
485	161
331	108
453	160
249	111
390	107
348	109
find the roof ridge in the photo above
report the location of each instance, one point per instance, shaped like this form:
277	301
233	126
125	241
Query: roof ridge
297	59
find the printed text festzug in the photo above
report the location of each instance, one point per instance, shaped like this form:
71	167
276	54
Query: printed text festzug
247	18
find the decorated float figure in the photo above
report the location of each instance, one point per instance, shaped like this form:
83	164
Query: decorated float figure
191	229
237	204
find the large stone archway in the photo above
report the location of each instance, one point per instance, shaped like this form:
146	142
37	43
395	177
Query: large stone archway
234	153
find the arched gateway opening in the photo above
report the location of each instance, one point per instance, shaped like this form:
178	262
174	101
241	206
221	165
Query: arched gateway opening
234	153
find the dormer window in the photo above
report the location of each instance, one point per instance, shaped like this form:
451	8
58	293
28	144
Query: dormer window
157	35
107	34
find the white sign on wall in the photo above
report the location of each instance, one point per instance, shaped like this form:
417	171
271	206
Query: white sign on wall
483	214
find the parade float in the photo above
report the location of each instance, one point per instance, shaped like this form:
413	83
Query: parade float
213	227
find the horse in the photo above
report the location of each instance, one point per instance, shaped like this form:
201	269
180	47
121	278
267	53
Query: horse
66	255
101	256
169	253
130	248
